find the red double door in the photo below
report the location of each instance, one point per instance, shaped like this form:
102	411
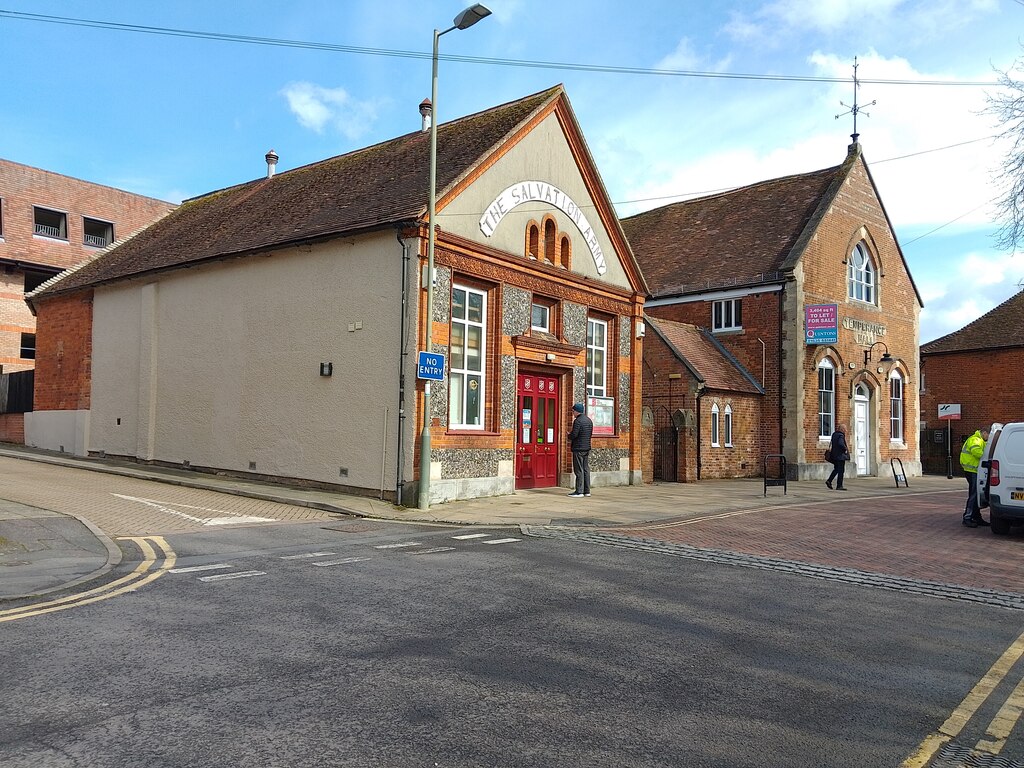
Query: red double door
537	431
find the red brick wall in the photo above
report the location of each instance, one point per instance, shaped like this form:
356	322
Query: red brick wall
761	314
12	428
665	396
989	387
855	215
64	353
21	189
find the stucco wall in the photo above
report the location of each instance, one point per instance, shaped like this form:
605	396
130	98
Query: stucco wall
542	155
219	366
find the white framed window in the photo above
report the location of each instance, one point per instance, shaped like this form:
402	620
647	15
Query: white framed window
728	426
540	317
826	398
467	356
860	276
896	406
714	425
727	315
597	357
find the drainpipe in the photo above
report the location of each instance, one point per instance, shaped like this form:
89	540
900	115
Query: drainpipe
782	296
700	394
403	340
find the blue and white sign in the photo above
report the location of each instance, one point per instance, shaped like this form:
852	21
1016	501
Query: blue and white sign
431	366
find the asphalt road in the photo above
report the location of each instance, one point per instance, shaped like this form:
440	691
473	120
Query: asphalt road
377	644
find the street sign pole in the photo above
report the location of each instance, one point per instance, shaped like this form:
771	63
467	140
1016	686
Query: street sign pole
949	450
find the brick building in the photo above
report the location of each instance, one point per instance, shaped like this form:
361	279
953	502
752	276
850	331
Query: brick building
750	266
49	222
688	373
978	368
271	329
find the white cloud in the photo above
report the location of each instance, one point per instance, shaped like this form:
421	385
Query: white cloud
319	108
683	57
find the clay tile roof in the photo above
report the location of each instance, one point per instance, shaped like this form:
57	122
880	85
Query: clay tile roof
740	237
705	356
380	185
1000	327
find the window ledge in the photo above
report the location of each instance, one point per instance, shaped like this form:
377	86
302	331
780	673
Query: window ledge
468	431
51	239
728	331
897	444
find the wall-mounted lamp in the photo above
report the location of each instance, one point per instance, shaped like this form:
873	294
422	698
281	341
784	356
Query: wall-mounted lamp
326	369
641	329
886	357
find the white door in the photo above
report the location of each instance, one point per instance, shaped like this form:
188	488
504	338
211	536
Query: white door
861	429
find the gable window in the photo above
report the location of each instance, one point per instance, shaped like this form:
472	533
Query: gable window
826	398
28	346
98	234
727	315
550	235
728	426
50	223
896	407
533	241
860	276
468	355
564	252
597	357
714	425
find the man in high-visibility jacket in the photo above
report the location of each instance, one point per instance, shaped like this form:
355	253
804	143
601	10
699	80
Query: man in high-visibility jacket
970	458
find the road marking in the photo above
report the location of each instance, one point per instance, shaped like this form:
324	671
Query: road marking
473	536
307	554
227	576
140	576
195	568
340	562
1004	721
433	550
169	507
501	541
397	546
955	723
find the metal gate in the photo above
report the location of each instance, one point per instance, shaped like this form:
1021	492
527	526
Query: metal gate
666	447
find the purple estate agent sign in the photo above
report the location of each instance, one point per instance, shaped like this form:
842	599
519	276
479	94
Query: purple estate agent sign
821	323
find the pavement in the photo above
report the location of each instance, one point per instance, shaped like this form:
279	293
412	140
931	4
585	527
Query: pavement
43	551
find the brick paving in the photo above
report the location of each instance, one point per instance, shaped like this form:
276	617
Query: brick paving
914	536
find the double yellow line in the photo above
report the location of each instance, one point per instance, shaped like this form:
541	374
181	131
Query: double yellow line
152	567
1002	724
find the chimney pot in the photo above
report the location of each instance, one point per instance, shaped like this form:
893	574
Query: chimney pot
271	158
427	111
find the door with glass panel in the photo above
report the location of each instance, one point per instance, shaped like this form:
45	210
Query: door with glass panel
537	431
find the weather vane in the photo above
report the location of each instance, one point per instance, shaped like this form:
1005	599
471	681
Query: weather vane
855	110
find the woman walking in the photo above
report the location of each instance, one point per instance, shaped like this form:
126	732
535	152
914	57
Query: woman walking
839	454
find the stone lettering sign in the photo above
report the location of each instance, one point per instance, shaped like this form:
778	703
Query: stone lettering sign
864	332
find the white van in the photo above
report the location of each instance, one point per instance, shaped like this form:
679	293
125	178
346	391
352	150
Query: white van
1001	476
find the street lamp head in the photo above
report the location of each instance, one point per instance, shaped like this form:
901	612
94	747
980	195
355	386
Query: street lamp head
471	16
886	357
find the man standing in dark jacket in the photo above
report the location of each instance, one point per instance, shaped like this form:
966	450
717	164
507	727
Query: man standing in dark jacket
579	443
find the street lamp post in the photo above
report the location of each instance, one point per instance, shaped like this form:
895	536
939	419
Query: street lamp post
467	18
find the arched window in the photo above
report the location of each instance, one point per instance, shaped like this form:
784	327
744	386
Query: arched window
896	406
563	252
826	398
728	426
860	276
533	241
714	425
550	235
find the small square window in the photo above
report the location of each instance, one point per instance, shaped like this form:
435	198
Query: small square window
98	234
727	315
28	346
50	223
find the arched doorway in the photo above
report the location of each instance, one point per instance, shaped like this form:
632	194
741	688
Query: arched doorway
862	428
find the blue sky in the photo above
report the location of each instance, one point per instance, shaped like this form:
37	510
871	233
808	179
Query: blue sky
172	116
